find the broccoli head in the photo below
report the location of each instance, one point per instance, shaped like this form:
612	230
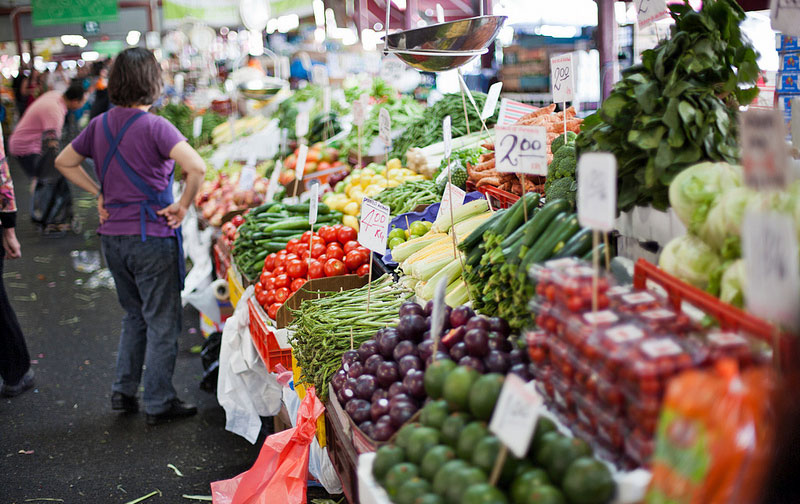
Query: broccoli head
564	188
565	161
559	141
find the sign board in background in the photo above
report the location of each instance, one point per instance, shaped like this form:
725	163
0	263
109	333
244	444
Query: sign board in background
57	12
650	11
562	78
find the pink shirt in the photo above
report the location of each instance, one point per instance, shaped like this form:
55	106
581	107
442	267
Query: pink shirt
46	113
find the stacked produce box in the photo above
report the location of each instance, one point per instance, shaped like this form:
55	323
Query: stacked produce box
788	84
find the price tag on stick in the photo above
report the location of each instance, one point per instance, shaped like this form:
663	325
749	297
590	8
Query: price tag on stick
764	156
515	415
273	181
313	205
374	225
452	194
359	111
302	153
562	79
385	127
438	313
447	133
597	190
197	126
491	100
650	11
247	177
301	125
521	149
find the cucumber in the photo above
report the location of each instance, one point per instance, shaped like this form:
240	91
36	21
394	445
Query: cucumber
600	251
578	245
302	208
562	228
531	201
476	237
541	221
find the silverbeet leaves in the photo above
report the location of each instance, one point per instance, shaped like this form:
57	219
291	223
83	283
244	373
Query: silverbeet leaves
679	105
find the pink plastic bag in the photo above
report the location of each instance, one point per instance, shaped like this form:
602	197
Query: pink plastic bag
280	473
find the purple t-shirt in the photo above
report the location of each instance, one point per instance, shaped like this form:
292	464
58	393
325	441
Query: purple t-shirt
145	146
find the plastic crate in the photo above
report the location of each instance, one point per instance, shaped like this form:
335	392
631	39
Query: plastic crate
222	260
235	288
264	339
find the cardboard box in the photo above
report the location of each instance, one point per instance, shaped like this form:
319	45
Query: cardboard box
786	43
788	82
790	62
316	288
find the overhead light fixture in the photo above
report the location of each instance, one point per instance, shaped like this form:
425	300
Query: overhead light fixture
557	31
90	55
319	12
74	40
133	37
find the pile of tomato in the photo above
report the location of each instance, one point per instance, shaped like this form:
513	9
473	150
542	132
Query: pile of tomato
330	251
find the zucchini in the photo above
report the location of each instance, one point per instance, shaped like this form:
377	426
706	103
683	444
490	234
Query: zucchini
531	201
290	223
600	251
541	221
302	208
578	245
476	237
562	227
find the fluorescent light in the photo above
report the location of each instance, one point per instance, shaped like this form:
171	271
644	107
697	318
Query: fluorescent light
133	37
319	12
557	31
74	40
288	23
26	57
90	55
330	19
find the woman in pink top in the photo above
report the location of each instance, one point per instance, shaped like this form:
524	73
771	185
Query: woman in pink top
134	155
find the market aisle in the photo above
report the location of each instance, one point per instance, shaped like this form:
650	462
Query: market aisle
61	440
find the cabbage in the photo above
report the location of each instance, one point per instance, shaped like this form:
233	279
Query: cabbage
724	221
690	259
693	191
733	284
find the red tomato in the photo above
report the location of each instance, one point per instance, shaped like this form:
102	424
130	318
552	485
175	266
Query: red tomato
297	283
293	245
269	284
258	288
346	234
334	251
337	227
315	269
351	245
296	268
269	262
363	270
327	233
304	254
317	250
316	239
280	260
282	281
322	258
353	260
304	238
365	250
237	220
282	294
279	271
270	296
265	275
261	297
272	311
334	267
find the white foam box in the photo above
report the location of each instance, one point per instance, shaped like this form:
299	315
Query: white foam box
649	224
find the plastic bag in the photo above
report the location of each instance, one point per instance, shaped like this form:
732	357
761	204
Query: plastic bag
714	437
280	473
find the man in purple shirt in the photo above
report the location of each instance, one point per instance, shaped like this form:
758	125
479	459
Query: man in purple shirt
134	154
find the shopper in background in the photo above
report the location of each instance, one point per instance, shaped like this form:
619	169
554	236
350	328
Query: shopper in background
48	113
135	154
15	363
100	103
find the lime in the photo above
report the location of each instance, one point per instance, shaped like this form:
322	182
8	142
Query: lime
386	457
417	228
398	475
397	233
395	242
419	442
483	493
588	481
435	458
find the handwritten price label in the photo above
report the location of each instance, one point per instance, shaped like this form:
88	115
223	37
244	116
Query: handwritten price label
562	78
385	127
650	11
302	153
359	111
452	194
447	133
301	125
374	225
273	181
764	156
521	149
597	190
515	416
438	312
491	100
769	247
197	126
313	205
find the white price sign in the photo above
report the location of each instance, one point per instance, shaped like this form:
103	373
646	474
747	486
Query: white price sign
438	312
452	194
326	100
491	100
197	126
251	159
764	156
447	133
284	139
769	248
597	190
301	125
247	178
313	205
650	11
359	112
319	75
385	127
299	170
374	225
562	78
273	181
515	416
521	149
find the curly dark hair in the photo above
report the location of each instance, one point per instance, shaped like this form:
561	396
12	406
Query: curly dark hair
135	78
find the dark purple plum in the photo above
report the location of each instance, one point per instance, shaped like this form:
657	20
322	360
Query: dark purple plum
378	409
401	397
387	344
516	356
387	373
477	342
453	336
428	310
414	383
499	325
379	394
358	409
411	327
383	429
520	370
401	412
426	336
367	349
338	379
499	342
458	351
348	358
348	394
404	348
425	349
356	370
472	362
372	363
342	397
460	316
366	385
409	362
411	308
367	428
395	389
478	322
497	362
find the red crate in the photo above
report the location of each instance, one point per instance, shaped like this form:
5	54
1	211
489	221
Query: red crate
265	341
497	197
222	260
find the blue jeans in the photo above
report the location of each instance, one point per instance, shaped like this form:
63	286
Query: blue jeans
149	290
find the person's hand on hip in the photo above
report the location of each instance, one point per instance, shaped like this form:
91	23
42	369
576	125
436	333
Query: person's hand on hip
101	209
11	244
174	214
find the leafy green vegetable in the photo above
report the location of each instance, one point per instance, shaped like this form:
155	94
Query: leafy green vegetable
679	105
694	190
564	164
564	188
182	117
458	164
690	259
732	285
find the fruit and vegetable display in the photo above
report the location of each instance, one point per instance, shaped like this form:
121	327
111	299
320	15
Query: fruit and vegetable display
383	383
319	158
429	125
448	456
243	126
604	372
218	197
430	160
499	253
321	125
331	251
408	195
324	328
679	105
270	227
416	229
484	172
711	201
458	162
182	117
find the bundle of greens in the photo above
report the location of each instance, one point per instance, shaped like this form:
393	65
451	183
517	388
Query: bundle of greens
458	167
182	117
405	197
289	108
679	105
